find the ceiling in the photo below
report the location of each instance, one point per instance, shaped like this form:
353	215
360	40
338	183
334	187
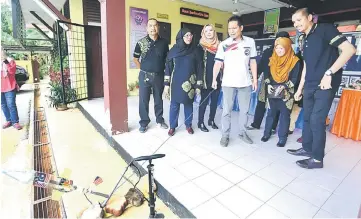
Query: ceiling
31	5
243	6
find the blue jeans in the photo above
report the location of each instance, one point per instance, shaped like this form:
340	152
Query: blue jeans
8	106
174	114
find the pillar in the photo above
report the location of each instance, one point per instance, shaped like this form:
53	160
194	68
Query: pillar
113	26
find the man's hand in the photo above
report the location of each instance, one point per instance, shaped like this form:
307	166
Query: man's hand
270	89
214	84
255	85
325	82
298	95
166	94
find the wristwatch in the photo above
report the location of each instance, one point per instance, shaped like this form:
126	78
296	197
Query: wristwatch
328	72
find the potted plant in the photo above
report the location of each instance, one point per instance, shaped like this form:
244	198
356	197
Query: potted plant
57	92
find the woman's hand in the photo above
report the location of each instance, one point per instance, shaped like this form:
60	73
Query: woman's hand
270	89
279	90
166	92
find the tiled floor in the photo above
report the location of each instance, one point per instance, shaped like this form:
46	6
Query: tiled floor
242	180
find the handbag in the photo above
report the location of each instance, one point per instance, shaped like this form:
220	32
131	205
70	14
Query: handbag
275	94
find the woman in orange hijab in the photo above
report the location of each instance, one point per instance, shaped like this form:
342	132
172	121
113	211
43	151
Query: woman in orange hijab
284	70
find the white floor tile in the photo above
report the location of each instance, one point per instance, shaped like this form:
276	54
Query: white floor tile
239	202
273	175
230	153
211	161
252	164
311	193
192	169
213	209
212	183
292	206
192	151
190	195
232	172
259	187
288	166
324	214
169	177
266	212
344	206
319	178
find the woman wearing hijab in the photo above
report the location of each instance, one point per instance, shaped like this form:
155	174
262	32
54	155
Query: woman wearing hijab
182	79
207	48
280	80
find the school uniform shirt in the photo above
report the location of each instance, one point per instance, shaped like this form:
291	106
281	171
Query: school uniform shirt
236	57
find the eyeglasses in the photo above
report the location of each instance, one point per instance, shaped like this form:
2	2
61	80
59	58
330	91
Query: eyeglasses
188	35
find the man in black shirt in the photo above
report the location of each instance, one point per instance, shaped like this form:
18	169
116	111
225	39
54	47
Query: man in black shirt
321	76
152	51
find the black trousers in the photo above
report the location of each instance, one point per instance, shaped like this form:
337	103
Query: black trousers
259	114
278	106
206	95
155	82
316	105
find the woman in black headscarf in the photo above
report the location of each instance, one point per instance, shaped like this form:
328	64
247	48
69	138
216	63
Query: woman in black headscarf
183	78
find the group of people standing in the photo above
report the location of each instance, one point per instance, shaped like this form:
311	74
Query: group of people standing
190	68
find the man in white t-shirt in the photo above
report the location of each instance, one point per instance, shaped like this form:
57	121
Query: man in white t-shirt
238	54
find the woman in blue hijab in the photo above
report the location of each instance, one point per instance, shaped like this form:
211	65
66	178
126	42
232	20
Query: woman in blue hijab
183	78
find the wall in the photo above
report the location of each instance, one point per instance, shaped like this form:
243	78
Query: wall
172	7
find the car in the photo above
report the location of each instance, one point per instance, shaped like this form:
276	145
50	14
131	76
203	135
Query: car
21	76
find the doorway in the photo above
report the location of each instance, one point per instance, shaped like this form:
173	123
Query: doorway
94	61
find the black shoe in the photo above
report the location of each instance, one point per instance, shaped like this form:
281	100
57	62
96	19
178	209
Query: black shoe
171	132
309	163
143	129
290	132
281	143
190	130
299	152
265	138
212	124
203	128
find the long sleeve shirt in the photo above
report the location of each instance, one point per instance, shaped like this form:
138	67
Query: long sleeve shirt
8	81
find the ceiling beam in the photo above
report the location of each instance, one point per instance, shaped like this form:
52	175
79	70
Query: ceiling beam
41	31
42	21
55	11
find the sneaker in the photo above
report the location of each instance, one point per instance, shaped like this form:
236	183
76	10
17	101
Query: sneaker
17	126
6	125
224	141
246	138
162	125
143	129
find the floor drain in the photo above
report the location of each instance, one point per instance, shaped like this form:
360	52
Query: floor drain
44	206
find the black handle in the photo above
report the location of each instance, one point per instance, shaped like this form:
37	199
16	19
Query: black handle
150	157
